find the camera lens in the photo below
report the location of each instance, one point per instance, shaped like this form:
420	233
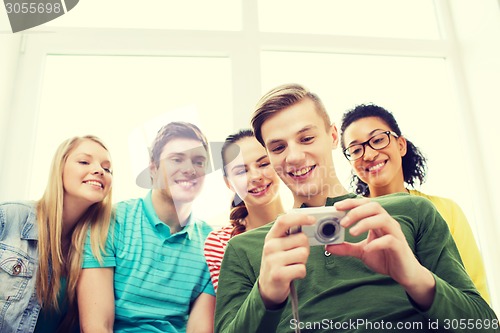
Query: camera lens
328	230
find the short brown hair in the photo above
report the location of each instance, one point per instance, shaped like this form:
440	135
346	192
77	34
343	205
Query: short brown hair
175	130
281	98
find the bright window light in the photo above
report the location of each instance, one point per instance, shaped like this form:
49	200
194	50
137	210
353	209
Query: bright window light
381	18
124	100
222	15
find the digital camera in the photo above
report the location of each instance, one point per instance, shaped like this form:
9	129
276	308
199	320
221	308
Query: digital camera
326	230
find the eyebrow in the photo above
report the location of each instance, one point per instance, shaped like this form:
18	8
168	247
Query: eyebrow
302	130
176	154
184	155
91	156
370	134
239	166
244	166
86	154
261	158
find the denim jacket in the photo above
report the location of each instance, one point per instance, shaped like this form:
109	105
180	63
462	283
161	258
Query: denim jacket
19	307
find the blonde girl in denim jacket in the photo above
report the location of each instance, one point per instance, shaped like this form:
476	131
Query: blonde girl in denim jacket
41	242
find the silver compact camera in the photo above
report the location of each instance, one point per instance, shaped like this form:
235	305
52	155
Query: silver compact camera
326	230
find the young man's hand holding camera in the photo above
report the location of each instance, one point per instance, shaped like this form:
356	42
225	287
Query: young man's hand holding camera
385	250
284	258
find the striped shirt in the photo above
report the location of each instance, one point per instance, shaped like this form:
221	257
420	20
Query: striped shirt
157	275
215	245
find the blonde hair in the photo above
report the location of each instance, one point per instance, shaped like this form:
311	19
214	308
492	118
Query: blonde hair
51	262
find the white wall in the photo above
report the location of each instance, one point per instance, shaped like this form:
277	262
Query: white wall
9	47
477	27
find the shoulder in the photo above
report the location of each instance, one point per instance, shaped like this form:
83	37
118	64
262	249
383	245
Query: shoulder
224	232
221	235
444	205
126	208
17	206
129	204
252	239
199	228
403	203
417	212
19	217
433	198
217	240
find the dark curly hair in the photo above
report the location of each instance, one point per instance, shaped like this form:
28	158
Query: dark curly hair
238	209
414	163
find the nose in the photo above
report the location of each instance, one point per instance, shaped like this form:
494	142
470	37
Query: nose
254	175
98	170
189	168
295	155
370	153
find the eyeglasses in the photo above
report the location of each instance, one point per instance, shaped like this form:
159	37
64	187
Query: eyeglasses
377	142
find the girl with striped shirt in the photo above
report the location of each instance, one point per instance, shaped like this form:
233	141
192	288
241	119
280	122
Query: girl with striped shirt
249	174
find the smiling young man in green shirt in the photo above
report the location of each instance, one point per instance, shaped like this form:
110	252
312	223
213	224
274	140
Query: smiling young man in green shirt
398	268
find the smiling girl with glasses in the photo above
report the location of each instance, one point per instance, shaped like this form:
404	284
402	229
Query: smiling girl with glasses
385	162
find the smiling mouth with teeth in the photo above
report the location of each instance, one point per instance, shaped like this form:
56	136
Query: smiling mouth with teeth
94	183
186	183
259	189
375	167
301	172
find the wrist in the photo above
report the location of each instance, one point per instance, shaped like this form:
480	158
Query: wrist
269	302
422	289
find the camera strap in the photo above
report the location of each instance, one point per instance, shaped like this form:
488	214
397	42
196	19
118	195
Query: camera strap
295	305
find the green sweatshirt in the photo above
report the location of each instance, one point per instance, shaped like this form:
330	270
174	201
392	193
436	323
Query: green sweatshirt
341	294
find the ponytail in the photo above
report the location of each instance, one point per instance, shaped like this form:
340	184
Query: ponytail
237	215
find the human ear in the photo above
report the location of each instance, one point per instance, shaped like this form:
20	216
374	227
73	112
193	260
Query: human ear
335	136
402	145
153	171
228	184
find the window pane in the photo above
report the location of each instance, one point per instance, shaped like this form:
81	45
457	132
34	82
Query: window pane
381	18
416	90
125	100
154	14
4	23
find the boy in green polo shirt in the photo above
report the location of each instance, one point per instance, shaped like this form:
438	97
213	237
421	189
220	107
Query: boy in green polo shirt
153	276
398	268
